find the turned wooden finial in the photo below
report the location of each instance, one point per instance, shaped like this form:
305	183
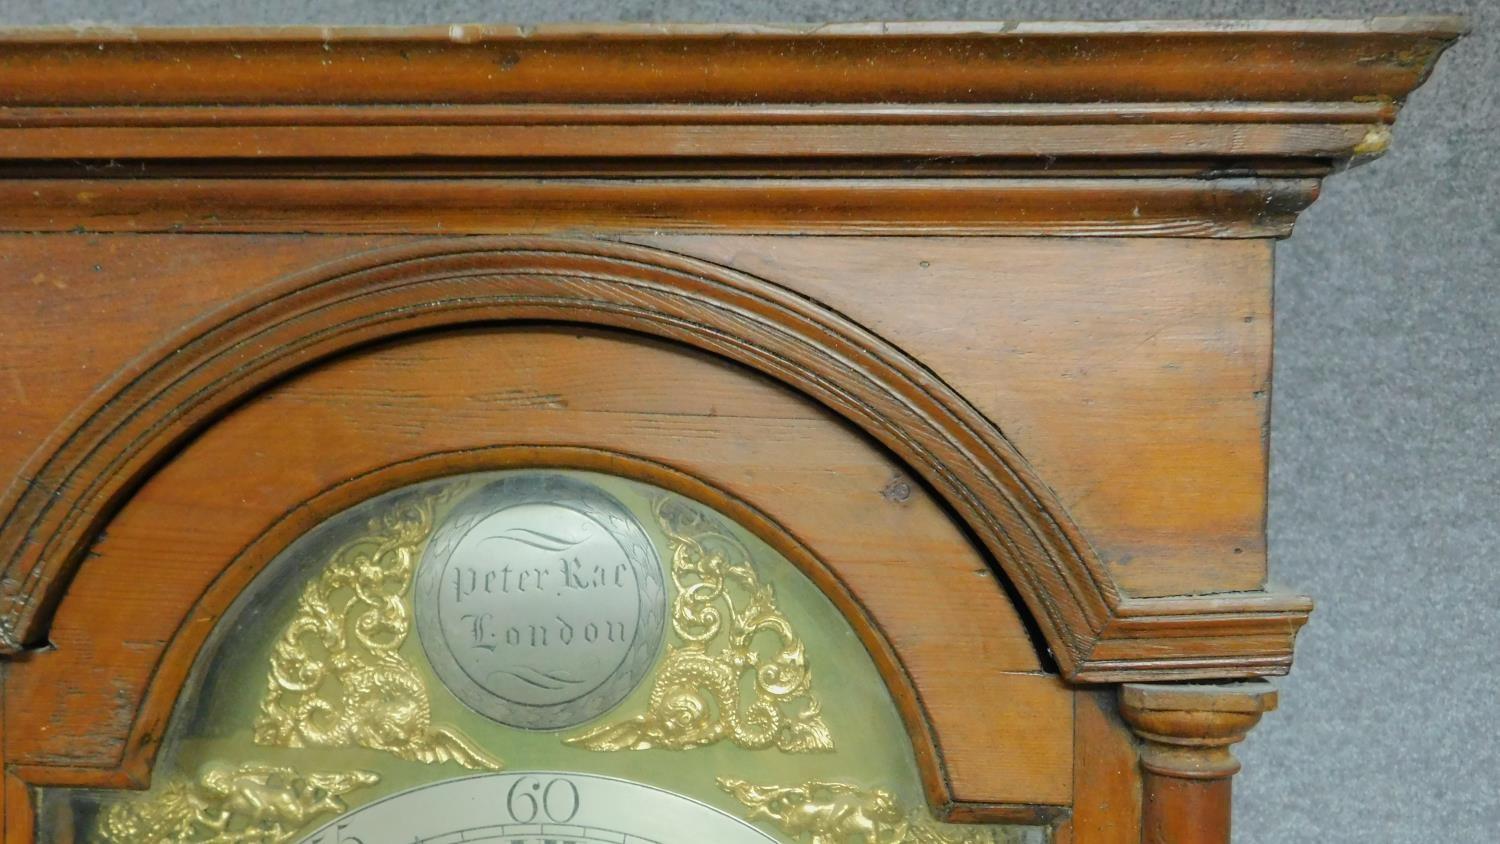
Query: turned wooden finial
1186	732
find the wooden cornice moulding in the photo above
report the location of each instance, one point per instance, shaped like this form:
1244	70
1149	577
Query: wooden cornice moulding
1095	633
1094	207
1066	62
1203	129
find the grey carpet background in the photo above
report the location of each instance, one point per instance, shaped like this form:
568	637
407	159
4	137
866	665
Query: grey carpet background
1385	480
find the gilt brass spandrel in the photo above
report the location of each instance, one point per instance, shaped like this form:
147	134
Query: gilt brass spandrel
338	676
818	812
245	803
699	695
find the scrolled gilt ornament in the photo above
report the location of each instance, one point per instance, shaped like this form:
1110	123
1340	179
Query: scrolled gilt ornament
249	803
337	675
839	813
722	614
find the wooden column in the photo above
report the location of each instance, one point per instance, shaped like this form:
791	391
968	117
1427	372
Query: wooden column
1185	734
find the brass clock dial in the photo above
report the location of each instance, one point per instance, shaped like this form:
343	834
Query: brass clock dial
529	657
536	807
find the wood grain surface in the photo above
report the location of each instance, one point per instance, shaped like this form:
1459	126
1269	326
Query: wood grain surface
1094	631
1135	376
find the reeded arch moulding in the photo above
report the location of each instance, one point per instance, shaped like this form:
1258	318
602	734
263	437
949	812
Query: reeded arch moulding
1095	633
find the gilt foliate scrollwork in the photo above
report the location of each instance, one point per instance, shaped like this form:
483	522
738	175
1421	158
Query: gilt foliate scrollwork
249	803
839	813
740	673
338	677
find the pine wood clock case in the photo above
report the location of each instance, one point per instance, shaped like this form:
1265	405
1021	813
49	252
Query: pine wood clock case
972	322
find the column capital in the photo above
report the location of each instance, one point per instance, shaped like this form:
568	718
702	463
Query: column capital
1186	730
